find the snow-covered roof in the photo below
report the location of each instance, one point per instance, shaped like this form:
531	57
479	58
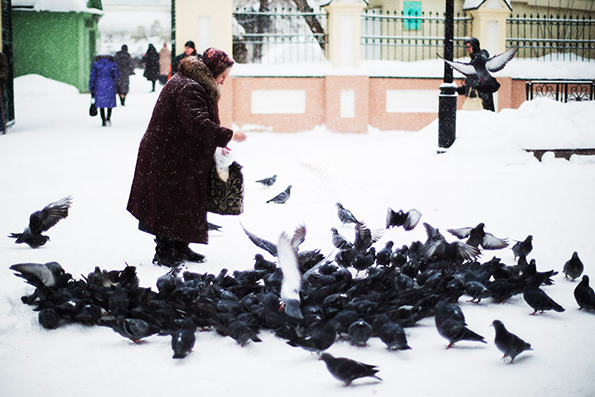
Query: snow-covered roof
55	5
475	4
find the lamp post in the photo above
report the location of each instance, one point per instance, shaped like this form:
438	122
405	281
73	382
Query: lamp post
447	99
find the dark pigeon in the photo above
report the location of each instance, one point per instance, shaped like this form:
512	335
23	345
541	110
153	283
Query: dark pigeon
132	328
584	295
48	318
523	248
345	216
450	324
41	221
211	227
183	339
339	241
266	245
393	336
538	299
481	66
508	343
268	182
347	370
407	219
477	236
282	197
573	268
319	340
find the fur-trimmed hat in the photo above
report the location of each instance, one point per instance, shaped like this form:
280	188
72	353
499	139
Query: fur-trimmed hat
195	69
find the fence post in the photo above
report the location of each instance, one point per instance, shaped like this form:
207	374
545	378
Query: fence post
344	31
489	24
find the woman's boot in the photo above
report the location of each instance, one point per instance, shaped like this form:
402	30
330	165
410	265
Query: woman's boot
187	254
166	252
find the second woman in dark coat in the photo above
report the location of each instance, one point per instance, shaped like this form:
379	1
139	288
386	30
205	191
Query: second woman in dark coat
169	190
151	61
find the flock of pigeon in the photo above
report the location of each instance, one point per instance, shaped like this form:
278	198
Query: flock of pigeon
303	297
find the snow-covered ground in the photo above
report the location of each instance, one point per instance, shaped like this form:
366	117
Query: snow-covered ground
55	149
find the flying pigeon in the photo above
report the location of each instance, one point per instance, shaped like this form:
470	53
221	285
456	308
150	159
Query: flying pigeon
41	221
476	236
39	275
508	343
282	197
481	66
407	219
268	182
347	370
292	279
345	216
573	268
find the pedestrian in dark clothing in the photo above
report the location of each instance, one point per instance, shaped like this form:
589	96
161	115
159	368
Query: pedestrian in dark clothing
468	88
3	79
189	49
151	61
102	85
169	191
126	68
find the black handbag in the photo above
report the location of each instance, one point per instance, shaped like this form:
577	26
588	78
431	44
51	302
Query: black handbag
226	197
92	108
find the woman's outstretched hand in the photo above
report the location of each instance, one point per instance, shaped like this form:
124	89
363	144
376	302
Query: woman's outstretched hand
239	136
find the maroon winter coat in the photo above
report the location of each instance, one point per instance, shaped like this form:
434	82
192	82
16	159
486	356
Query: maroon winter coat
168	194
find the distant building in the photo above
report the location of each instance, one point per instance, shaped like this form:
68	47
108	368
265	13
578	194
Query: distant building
56	39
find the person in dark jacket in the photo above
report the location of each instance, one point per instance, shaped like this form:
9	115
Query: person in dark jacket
126	68
468	88
169	191
151	61
102	85
3	79
189	49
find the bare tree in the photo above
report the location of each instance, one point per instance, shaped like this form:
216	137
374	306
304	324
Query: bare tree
312	21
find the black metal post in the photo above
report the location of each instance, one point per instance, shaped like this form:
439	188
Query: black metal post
447	99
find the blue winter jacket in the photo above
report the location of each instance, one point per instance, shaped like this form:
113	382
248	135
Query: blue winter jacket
102	82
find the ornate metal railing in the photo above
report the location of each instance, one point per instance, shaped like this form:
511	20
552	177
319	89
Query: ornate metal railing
561	90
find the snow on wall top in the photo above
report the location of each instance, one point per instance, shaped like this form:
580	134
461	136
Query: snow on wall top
475	4
55	5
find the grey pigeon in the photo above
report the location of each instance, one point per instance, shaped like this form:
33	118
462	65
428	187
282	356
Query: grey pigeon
507	342
39	275
339	241
319	340
347	370
573	268
132	328
266	245
268	182
408	219
538	299
41	221
345	216
584	294
359	333
481	66
282	197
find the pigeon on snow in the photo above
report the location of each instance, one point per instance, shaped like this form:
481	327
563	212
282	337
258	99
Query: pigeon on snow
507	342
268	182
41	221
347	370
573	268
282	197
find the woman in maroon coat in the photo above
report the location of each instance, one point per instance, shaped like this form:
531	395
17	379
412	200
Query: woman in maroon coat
168	194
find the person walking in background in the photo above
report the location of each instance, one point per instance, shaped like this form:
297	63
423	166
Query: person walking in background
468	88
169	191
189	49
102	85
151	61
164	63
3	79
126	68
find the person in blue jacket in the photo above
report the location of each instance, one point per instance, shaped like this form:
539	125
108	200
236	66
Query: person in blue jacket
102	85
